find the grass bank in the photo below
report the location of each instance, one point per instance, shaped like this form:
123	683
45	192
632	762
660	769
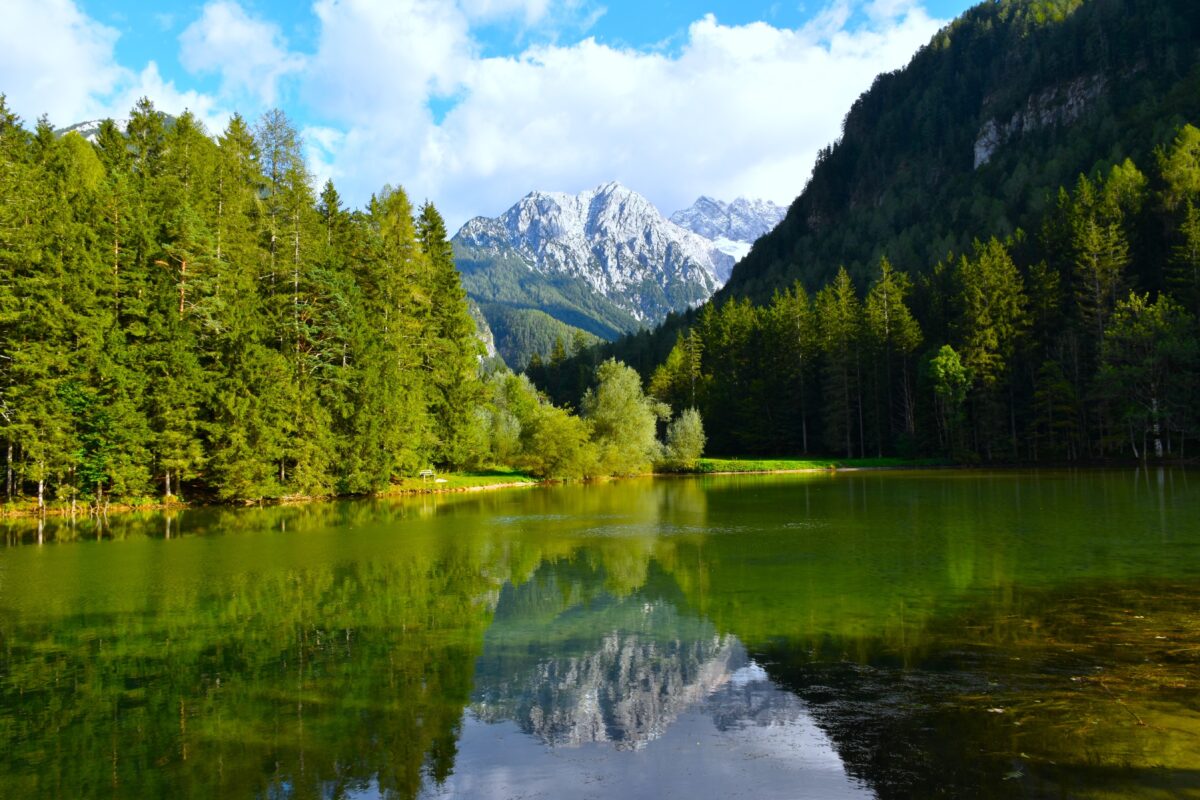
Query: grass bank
462	482
439	483
716	466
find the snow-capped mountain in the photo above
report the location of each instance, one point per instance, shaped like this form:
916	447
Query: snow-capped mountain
610	238
90	129
605	261
733	227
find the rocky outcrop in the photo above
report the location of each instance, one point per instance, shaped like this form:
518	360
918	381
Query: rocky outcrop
1056	106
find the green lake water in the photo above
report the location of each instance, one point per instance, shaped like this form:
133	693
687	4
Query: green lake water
873	634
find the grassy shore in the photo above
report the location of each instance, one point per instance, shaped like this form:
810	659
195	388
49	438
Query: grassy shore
463	482
498	478
712	466
440	483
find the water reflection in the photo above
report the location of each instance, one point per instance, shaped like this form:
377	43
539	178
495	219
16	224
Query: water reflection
573	681
606	669
956	634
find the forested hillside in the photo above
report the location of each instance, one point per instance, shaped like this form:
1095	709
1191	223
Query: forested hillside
182	315
997	260
975	136
178	310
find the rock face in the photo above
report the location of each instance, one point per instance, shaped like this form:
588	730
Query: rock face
1058	105
611	239
604	261
482	330
733	227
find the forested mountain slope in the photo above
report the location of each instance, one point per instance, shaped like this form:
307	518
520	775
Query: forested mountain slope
1000	259
974	137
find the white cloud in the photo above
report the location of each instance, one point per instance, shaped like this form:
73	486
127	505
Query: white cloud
726	110
737	110
379	61
249	54
168	98
56	60
530	12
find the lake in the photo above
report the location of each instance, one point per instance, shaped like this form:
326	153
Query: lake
869	634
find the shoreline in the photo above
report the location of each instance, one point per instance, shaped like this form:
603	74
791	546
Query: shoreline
88	511
401	490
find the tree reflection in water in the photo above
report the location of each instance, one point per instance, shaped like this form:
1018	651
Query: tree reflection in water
959	634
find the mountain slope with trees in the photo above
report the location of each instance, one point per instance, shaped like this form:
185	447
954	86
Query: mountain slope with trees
1047	89
996	261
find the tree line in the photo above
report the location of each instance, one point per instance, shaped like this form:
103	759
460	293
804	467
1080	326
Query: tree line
181	311
1040	346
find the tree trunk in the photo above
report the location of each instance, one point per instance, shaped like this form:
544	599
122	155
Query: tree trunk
910	417
1158	445
1012	419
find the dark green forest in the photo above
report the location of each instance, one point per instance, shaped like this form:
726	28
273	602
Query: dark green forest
522	334
1037	305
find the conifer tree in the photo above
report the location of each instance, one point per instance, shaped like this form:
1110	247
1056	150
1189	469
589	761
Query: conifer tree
840	319
992	322
452	352
894	336
793	335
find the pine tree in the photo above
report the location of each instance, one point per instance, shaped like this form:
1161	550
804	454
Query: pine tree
840	320
894	336
452	352
794	337
993	320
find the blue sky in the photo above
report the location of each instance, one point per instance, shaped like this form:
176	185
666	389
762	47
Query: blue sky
473	103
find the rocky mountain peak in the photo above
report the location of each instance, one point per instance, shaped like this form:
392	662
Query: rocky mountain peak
611	238
743	220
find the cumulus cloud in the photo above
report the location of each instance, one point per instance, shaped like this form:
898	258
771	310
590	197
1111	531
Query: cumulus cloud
249	54
400	91
384	59
736	110
167	97
56	60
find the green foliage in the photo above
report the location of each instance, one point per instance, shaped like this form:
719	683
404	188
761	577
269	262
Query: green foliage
685	439
841	336
1150	365
951	380
184	312
558	444
993	312
624	421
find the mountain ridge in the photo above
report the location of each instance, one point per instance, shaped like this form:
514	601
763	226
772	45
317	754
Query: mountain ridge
605	261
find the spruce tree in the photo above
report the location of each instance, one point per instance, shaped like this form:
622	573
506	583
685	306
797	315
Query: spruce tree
840	321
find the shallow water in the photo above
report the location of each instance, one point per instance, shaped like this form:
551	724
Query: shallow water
876	634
